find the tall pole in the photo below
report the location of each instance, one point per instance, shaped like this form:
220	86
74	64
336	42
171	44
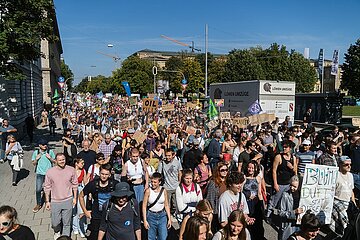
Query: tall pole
322	72
206	59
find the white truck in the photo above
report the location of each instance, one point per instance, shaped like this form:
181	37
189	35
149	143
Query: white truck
245	97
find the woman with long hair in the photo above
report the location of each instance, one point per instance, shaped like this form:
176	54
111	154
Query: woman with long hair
79	218
9	229
196	229
252	192
203	173
216	187
203	209
234	229
188	194
156	211
309	228
14	155
228	146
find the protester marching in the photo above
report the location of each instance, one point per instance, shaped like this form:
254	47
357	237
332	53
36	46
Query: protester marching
153	169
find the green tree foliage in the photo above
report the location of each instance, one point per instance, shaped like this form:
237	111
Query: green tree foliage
173	64
302	73
23	23
193	74
67	74
351	70
242	65
216	70
274	63
81	87
136	71
99	83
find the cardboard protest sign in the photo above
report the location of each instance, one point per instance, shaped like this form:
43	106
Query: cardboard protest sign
263	118
191	105
225	115
168	108
190	130
318	191
241	122
163	122
212	124
124	124
139	136
356	122
133	101
150	105
253	120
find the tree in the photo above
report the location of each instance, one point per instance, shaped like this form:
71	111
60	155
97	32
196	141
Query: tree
23	23
302	73
136	71
242	65
194	75
82	86
351	70
67	74
99	83
173	64
216	70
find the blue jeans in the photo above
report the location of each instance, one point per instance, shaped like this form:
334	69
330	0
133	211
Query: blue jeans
356	180
139	192
157	222
39	187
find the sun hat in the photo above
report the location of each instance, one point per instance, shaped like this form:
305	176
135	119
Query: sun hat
122	189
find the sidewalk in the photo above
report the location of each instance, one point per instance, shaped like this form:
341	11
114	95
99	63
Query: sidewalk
22	196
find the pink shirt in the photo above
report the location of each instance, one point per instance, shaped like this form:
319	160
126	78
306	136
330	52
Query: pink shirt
61	183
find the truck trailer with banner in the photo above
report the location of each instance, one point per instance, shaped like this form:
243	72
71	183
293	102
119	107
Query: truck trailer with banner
256	96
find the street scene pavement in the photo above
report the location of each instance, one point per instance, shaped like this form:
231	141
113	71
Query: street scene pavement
22	196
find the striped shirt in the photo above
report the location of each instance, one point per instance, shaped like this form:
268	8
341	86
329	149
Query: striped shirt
304	158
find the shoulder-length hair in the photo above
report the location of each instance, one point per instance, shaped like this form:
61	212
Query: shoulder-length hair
234	216
192	228
216	175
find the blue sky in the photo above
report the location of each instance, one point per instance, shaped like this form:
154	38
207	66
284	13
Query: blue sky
89	26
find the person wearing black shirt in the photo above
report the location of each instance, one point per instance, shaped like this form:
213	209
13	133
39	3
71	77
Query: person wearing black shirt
87	154
192	157
121	217
10	229
100	191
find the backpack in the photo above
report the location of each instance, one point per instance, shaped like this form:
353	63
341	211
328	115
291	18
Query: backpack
110	205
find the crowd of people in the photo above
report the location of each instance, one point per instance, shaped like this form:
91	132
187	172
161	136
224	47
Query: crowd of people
128	173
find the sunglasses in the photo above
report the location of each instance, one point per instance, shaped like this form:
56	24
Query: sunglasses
101	158
306	145
347	165
5	224
223	170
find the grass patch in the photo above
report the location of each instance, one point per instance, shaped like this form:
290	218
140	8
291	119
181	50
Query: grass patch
351	111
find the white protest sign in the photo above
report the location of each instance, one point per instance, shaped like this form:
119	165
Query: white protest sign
318	191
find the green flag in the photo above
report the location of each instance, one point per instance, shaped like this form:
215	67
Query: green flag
212	112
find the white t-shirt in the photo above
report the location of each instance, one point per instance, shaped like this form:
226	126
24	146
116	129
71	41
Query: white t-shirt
344	186
228	202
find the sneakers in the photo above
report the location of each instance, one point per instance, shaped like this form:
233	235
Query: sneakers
57	235
36	208
1	160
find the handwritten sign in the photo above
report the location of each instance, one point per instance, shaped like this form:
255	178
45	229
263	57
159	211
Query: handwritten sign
212	124
225	115
318	191
150	105
356	121
254	120
190	130
219	102
168	108
139	137
151	95
124	124
191	105
133	101
241	122
163	122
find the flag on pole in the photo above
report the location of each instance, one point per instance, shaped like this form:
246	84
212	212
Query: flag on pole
335	63
212	112
127	88
255	108
321	62
100	95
